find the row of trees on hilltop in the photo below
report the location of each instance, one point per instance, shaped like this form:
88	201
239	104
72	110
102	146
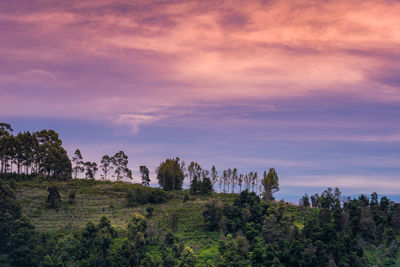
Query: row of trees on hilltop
37	152
114	167
172	172
42	153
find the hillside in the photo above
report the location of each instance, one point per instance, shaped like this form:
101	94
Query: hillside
175	215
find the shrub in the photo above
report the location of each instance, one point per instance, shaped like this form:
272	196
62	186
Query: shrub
149	211
71	198
54	198
186	198
144	195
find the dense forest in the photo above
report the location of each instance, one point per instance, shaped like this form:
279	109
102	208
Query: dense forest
56	211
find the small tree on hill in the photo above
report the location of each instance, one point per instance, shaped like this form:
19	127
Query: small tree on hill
106	166
91	169
144	173
78	163
170	174
53	198
120	163
270	183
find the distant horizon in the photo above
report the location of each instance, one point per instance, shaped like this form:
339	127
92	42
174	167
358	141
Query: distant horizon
309	88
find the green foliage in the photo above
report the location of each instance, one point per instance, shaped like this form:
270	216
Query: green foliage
53	198
144	195
170	174
71	198
216	230
186	198
187	259
270	183
38	152
144	173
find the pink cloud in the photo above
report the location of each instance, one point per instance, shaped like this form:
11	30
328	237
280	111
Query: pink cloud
102	59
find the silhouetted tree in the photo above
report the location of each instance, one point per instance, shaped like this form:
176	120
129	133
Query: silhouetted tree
144	173
270	183
170	174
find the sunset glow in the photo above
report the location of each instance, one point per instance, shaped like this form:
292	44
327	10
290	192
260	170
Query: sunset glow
310	88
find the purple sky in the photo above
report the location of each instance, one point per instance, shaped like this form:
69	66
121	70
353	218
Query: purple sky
311	89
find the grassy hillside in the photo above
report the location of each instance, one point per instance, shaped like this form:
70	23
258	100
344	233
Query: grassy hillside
97	198
94	199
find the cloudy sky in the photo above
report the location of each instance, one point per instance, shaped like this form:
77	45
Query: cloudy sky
311	88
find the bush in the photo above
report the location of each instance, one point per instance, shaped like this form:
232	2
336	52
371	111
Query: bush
186	198
54	198
149	211
71	198
144	195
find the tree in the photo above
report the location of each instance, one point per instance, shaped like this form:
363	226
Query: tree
270	183
144	173
240	181
91	169
254	180
78	163
315	200
136	229
234	177
53	198
170	174
52	157
225	178
194	171
120	162
214	175
5	133
305	201
106	166
187	259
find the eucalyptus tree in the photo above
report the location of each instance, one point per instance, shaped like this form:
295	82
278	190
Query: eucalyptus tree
220	182
120	164
247	180
106	166
5	132
234	177
170	174
270	183
214	175
254	180
224	178
240	182
194	171
228	177
90	170
204	175
145	174
77	161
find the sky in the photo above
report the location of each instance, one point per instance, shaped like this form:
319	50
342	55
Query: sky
310	88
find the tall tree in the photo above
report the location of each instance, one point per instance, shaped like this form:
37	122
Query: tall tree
194	171
254	180
120	162
214	175
78	163
91	169
234	177
270	183
145	174
225	178
5	132
240	181
228	177
106	166
170	174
